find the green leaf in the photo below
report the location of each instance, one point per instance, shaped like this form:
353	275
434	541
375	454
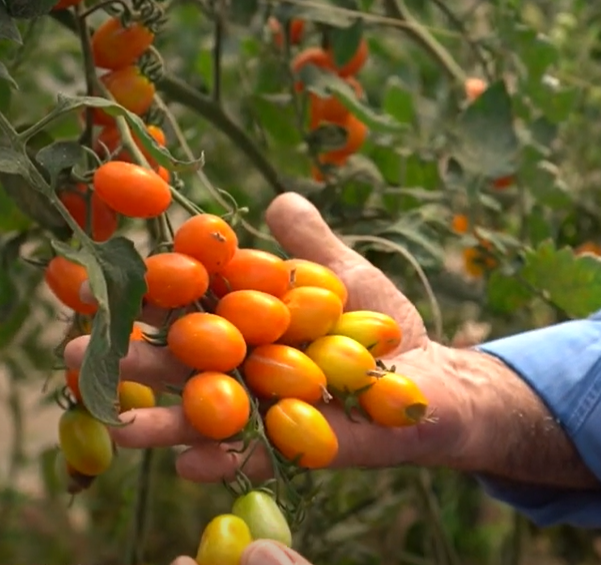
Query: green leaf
5	96
8	28
485	141
116	273
320	14
276	115
535	50
540	178
5	75
10	248
398	101
571	282
506	294
344	42
11	217
13	162
60	156
29	9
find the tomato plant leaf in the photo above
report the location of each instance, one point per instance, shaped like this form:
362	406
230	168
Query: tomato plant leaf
571	282
344	42
8	28
10	248
29	9
5	75
60	156
327	137
398	101
505	294
116	273
13	162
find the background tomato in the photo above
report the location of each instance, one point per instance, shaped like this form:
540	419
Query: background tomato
134	395
223	541
311	56
357	61
64	278
356	134
297	29
72	380
330	109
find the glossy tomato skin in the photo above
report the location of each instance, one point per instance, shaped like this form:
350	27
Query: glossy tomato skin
260	317
64	278
207	238
281	371
174	280
347	365
313	313
378	332
215	405
115	47
308	273
133	395
223	541
394	401
72	380
356	62
263	516
85	442
297	428
132	190
206	342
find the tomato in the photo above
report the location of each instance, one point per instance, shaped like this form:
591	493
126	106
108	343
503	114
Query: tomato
216	405
64	4
295	35
111	138
347	365
206	342
335	161
311	56
115	47
588	247
356	132
331	109
313	313
308	273
460	224
477	261
378	332
207	238
280	371
297	428
64	278
104	221
72	380
357	61
394	401
263	516
132	190
504	182
474	87
85	442
134	395
223	541
260	317
164	174
253	269
174	280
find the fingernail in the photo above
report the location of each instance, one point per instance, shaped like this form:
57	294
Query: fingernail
267	553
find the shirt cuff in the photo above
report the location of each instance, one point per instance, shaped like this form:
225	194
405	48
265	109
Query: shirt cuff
562	364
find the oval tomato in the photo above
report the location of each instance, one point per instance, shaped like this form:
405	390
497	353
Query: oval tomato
357	61
253	269
260	317
85	442
280	371
313	313
347	365
301	433
394	401
460	223
223	541
504	182
103	219
174	280
132	190
263	516
378	332
72	380
356	134
207	238
115	46
295	34
308	273
134	395
64	278
311	56
206	342
330	109
216	405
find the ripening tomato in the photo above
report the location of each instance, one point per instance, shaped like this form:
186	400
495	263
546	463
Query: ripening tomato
174	280
330	109
132	190
356	134
115	46
110	137
64	278
347	365
311	56
206	342
378	332
281	371
504	182
297	428
308	273
313	313
223	541
474	87
260	317
164	174
330	162
477	261
72	380
460	223
253	269
588	247
134	395
394	401
295	34
207	238
103	220
216	405
85	442
356	62
263	516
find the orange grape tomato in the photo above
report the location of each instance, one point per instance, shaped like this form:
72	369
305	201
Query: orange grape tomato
308	273
64	278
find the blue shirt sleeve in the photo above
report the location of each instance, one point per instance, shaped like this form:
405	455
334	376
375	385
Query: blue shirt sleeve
562	363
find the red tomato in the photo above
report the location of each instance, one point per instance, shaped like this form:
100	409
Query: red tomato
64	278
311	56
134	395
330	109
356	132
308	273
215	405
504	182
356	62
297	29
132	190
207	238
223	541
174	280
72	379
206	342
280	371
301	433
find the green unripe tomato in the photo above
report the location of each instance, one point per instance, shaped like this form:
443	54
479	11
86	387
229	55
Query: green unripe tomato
263	516
223	541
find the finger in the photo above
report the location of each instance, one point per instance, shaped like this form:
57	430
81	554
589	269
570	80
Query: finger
183	560
300	229
144	363
267	552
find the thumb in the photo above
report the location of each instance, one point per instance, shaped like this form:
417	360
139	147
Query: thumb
264	552
302	232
